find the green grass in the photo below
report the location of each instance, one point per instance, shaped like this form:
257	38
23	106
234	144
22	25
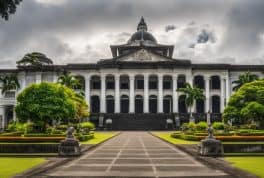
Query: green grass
100	137
167	136
251	164
11	166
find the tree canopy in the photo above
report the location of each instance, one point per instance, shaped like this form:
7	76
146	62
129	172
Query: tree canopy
243	79
8	7
35	59
48	101
247	104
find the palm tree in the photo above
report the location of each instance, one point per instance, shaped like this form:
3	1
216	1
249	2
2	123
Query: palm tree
192	94
9	82
35	59
68	80
244	78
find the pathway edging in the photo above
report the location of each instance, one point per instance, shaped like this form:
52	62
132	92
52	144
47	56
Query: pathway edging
215	163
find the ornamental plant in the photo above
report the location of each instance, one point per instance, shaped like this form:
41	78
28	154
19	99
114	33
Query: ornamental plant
44	103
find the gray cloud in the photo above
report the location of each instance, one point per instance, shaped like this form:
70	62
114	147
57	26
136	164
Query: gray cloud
81	31
170	28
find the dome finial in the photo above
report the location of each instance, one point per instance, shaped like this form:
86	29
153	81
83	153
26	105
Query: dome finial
142	25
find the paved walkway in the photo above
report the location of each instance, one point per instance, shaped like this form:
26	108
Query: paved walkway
135	154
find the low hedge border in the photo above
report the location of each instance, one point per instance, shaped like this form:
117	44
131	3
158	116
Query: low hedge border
31	139
222	138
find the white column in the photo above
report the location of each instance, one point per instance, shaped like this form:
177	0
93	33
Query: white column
146	93
132	94
117	94
207	94
102	98
55	77
38	77
228	89
22	79
2	117
87	90
222	99
174	93
160	93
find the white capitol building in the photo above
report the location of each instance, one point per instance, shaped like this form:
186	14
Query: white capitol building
136	88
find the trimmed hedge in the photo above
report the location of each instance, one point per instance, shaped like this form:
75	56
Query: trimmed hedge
222	138
31	139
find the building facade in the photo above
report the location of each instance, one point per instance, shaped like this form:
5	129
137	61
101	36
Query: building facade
137	87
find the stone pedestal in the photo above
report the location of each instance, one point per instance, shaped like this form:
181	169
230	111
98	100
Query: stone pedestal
70	146
211	147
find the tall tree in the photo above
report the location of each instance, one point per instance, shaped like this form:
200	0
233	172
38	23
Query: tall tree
9	82
244	78
68	80
192	94
8	7
35	59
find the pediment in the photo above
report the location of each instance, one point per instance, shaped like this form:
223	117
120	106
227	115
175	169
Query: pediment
143	55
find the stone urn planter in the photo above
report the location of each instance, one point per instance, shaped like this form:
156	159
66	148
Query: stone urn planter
69	146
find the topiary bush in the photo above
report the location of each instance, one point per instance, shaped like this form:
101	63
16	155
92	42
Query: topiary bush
192	126
201	126
218	126
86	127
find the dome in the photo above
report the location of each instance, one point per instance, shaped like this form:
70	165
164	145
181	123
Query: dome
142	35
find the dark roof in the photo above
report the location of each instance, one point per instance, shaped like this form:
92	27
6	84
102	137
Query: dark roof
142	36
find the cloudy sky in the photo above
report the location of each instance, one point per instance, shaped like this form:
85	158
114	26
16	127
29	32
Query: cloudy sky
69	31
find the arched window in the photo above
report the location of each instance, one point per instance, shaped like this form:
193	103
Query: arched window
215	83
181	81
138	104
167	104
124	103
110	82
200	106
95	104
95	82
167	82
110	104
199	81
153	104
153	82
139	82
215	104
182	105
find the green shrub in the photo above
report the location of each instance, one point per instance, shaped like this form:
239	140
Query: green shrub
11	127
191	126
184	127
253	126
201	126
189	137
62	127
86	127
218	126
11	134
176	135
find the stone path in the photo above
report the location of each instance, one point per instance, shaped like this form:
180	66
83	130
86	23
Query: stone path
135	154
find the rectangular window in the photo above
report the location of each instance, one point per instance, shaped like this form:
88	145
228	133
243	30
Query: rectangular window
110	85
166	85
96	85
153	85
140	84
124	85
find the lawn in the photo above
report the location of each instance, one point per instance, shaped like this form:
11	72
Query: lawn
252	164
10	166
167	136
100	137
